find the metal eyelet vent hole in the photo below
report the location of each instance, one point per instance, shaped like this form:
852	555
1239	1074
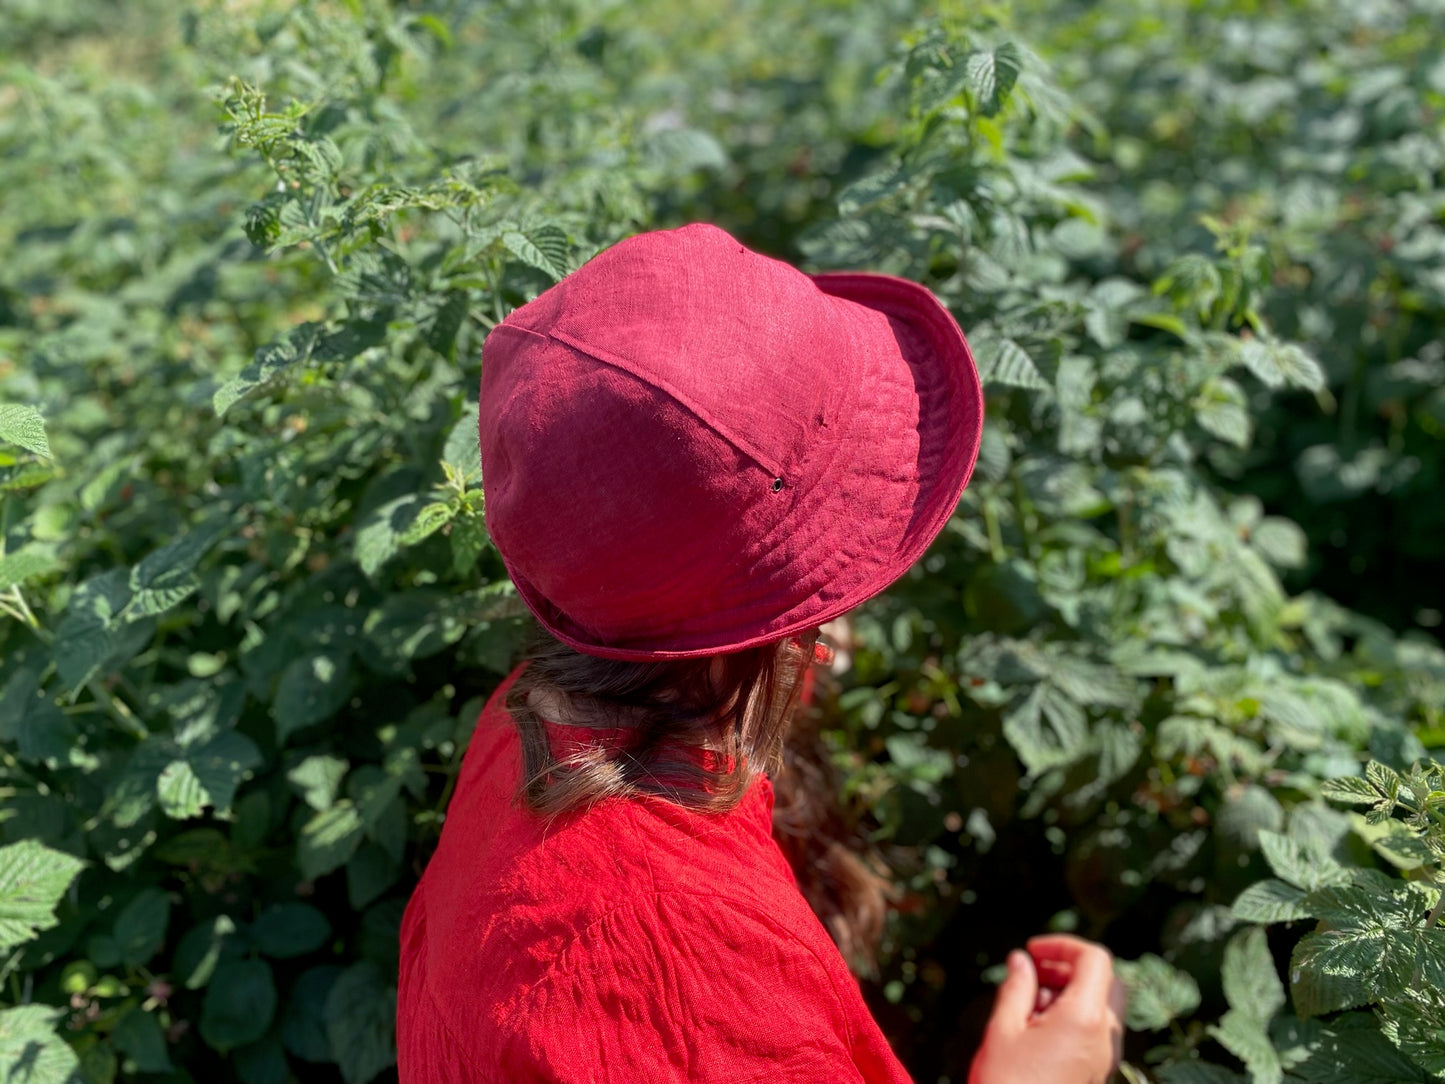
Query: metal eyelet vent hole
777	485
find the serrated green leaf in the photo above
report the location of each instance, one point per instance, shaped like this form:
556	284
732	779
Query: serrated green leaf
446	322
32	720
1244	1036
1416	1025
1271	901
31	1049
1090	683
262	1062
463	449
1355	906
1280	542
1401	846
165	577
140	928
1332	970
312	688
1047	729
1251	984
24	426
1278	364
1351	1050
239	1004
360	1022
1299	369
677	152
1384	779
26	564
1197	1072
429	519
269	362
991	75
1158	992
303	1024
289	929
202	949
1005	362
1293	720
1295	1040
33	878
1349	789
329	839
1222	411
206	775
180	792
527	250
412	625
25	476
1246	815
1300	865
89	634
1119	750
138	1035
468	538
382	533
369	873
870	190
318	779
916	760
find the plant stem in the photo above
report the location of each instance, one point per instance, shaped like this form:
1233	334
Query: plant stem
313	206
1027	519
995	535
1124	511
119	710
1434	916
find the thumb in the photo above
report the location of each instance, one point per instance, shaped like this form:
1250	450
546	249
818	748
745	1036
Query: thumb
1017	994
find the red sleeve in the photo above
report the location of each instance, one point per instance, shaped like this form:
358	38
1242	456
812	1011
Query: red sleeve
679	988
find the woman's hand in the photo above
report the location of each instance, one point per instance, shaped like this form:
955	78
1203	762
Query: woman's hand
1059	1017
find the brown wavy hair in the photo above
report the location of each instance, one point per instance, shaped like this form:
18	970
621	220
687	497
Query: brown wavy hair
698	732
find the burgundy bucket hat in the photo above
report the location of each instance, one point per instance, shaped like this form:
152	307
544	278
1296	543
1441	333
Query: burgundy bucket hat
689	448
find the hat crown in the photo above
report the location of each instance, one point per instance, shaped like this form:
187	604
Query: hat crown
733	336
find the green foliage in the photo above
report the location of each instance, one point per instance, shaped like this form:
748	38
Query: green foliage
1377	942
32	880
1312	128
248	606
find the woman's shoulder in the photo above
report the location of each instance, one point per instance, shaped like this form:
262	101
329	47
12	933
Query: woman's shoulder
506	889
666	983
590	856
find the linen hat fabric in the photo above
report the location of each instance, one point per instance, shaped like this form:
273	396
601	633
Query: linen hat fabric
689	448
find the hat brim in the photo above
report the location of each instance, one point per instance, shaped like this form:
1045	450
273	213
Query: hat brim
949	421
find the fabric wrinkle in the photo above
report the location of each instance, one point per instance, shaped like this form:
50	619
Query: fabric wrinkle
637	940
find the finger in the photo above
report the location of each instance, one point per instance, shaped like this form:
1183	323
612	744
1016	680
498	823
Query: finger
1045	999
1093	967
1119	1006
1119	1000
1054	973
1063	947
1017	994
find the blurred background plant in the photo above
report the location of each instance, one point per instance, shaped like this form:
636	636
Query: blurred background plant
1182	623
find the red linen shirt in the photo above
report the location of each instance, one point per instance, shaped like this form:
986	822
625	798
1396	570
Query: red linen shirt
633	942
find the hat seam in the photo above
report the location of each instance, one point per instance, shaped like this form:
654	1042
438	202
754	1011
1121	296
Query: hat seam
616	361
